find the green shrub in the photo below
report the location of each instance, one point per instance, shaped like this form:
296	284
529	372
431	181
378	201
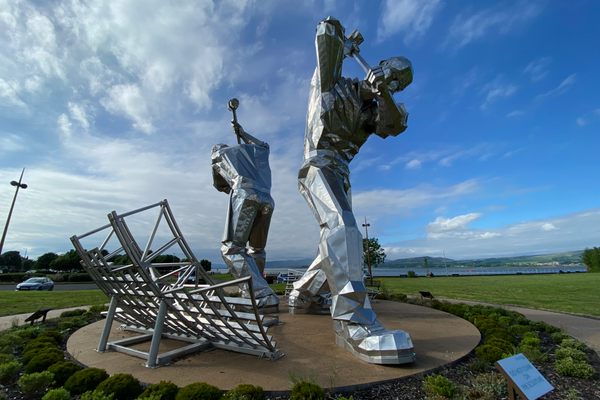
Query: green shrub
575	354
500	333
503	345
544	327
411	274
57	394
63	370
122	386
164	390
53	334
35	384
519	330
43	360
97	309
10	343
489	353
95	395
9	371
478	365
578	369
73	313
570	342
4	358
198	391
79	277
489	386
303	390
85	380
558	337
31	351
245	392
439	385
72	323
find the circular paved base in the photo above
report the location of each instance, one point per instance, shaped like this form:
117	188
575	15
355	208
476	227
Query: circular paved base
310	352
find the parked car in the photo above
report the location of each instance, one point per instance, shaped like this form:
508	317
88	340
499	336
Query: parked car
37	283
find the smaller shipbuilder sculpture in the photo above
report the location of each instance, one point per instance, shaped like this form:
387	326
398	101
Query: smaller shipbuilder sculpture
243	172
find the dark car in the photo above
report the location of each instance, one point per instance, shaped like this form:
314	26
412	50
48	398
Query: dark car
38	283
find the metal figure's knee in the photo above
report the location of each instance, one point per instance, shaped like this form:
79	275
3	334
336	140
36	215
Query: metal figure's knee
231	248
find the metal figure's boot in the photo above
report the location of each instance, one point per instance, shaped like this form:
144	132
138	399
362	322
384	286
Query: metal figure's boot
373	343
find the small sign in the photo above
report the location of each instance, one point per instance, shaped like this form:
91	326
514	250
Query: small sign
524	377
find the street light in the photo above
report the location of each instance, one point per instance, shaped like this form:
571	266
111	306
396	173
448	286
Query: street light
366	225
19	185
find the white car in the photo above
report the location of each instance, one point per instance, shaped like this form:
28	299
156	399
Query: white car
37	283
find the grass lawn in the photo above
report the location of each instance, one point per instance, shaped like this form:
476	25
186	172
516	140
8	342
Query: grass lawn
24	302
574	293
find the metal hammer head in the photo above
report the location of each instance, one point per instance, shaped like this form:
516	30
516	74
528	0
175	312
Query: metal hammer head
356	37
233	104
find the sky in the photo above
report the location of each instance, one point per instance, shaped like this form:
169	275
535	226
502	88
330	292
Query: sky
114	105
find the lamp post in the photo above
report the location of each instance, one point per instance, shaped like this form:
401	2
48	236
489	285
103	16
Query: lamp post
19	185
366	225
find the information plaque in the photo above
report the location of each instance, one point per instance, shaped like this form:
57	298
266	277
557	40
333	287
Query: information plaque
523	378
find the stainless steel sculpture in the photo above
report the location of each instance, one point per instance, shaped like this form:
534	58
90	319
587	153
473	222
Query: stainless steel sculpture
243	172
152	298
342	114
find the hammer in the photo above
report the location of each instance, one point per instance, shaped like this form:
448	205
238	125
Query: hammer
232	105
354	40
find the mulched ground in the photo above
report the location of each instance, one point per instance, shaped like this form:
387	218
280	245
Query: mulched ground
460	373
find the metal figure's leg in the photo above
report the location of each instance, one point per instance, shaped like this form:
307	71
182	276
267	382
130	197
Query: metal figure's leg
235	254
258	237
311	292
340	250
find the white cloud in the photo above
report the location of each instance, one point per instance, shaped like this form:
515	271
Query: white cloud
565	85
496	90
515	113
79	114
412	18
564	233
413	164
9	94
388	202
442	224
10	143
128	101
469	28
538	69
64	125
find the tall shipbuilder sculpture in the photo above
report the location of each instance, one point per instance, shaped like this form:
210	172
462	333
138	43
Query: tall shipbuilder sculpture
243	172
342	114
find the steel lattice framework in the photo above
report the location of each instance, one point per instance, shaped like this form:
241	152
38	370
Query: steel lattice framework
152	298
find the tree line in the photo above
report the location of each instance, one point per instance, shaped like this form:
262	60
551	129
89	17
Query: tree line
12	261
591	259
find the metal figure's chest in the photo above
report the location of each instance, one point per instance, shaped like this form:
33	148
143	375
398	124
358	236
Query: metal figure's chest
339	120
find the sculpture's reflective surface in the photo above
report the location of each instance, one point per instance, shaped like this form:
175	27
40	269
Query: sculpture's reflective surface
342	114
243	172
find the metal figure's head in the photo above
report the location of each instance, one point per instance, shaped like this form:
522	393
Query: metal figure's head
398	73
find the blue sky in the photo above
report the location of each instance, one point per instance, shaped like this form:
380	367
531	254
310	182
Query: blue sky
114	105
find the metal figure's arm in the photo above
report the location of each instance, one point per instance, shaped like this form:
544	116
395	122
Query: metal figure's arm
330	46
219	181
246	137
391	119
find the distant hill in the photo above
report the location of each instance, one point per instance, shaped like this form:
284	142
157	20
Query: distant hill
299	263
570	257
564	258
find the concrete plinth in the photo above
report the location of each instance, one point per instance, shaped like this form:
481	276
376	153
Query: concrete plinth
310	352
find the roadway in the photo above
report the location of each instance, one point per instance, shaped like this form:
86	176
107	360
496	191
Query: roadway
57	286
